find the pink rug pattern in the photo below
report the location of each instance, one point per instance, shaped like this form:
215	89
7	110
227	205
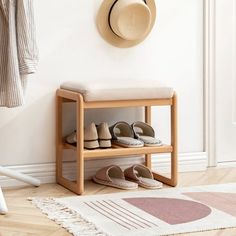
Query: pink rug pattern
225	202
151	212
172	211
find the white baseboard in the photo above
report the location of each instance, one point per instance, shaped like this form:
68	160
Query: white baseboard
226	164
46	172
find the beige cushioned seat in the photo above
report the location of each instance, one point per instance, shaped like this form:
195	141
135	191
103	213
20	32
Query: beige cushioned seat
119	90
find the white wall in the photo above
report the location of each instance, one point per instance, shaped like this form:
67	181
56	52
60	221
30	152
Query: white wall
225	82
71	48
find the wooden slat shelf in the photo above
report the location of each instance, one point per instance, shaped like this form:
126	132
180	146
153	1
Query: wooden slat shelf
132	103
120	151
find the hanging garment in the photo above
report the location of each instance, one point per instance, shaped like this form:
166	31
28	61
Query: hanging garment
18	50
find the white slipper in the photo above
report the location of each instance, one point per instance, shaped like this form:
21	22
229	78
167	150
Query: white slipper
145	133
143	176
113	176
123	135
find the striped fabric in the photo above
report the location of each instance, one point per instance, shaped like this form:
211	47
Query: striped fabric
18	50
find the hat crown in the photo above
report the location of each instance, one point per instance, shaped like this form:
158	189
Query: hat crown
130	19
126	23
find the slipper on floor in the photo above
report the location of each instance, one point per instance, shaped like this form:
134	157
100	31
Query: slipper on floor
113	176
123	135
142	175
145	133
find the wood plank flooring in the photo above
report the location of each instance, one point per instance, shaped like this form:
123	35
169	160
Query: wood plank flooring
26	220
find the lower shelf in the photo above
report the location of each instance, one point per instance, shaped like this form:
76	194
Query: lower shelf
120	151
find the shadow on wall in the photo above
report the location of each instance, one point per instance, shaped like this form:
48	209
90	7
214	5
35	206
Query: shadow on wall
28	132
111	116
29	135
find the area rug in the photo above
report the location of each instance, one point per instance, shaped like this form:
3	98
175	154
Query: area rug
143	213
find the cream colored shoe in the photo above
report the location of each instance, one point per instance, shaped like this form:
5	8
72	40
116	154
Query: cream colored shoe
91	137
71	138
104	136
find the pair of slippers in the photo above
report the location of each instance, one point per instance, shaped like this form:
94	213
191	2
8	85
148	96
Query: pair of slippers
131	178
138	134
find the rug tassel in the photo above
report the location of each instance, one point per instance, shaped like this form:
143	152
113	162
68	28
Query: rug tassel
67	218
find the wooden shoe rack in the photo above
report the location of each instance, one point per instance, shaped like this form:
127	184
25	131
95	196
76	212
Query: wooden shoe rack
83	154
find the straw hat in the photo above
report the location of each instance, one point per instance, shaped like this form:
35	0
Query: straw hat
125	23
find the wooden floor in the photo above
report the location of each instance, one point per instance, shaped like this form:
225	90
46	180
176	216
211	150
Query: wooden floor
26	220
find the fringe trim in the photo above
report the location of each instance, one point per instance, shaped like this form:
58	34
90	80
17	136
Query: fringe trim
66	217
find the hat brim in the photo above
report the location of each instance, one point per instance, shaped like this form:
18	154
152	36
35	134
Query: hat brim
106	32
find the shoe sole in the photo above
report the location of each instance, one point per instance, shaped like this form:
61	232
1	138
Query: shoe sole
110	184
104	143
91	144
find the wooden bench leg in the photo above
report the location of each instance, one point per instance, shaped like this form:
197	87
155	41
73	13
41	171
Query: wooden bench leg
174	143
78	186
172	181
148	157
80	144
59	144
59	147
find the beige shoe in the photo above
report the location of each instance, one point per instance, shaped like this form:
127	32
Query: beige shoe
71	138
104	136
91	137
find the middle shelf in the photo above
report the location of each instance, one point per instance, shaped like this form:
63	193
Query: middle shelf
120	151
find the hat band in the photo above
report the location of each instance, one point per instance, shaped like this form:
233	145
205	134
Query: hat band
109	15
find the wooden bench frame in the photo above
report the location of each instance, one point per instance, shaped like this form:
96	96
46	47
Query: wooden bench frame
83	154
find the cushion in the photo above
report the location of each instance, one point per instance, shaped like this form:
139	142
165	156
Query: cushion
119	90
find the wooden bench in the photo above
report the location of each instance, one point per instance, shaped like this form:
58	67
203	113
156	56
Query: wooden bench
113	95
